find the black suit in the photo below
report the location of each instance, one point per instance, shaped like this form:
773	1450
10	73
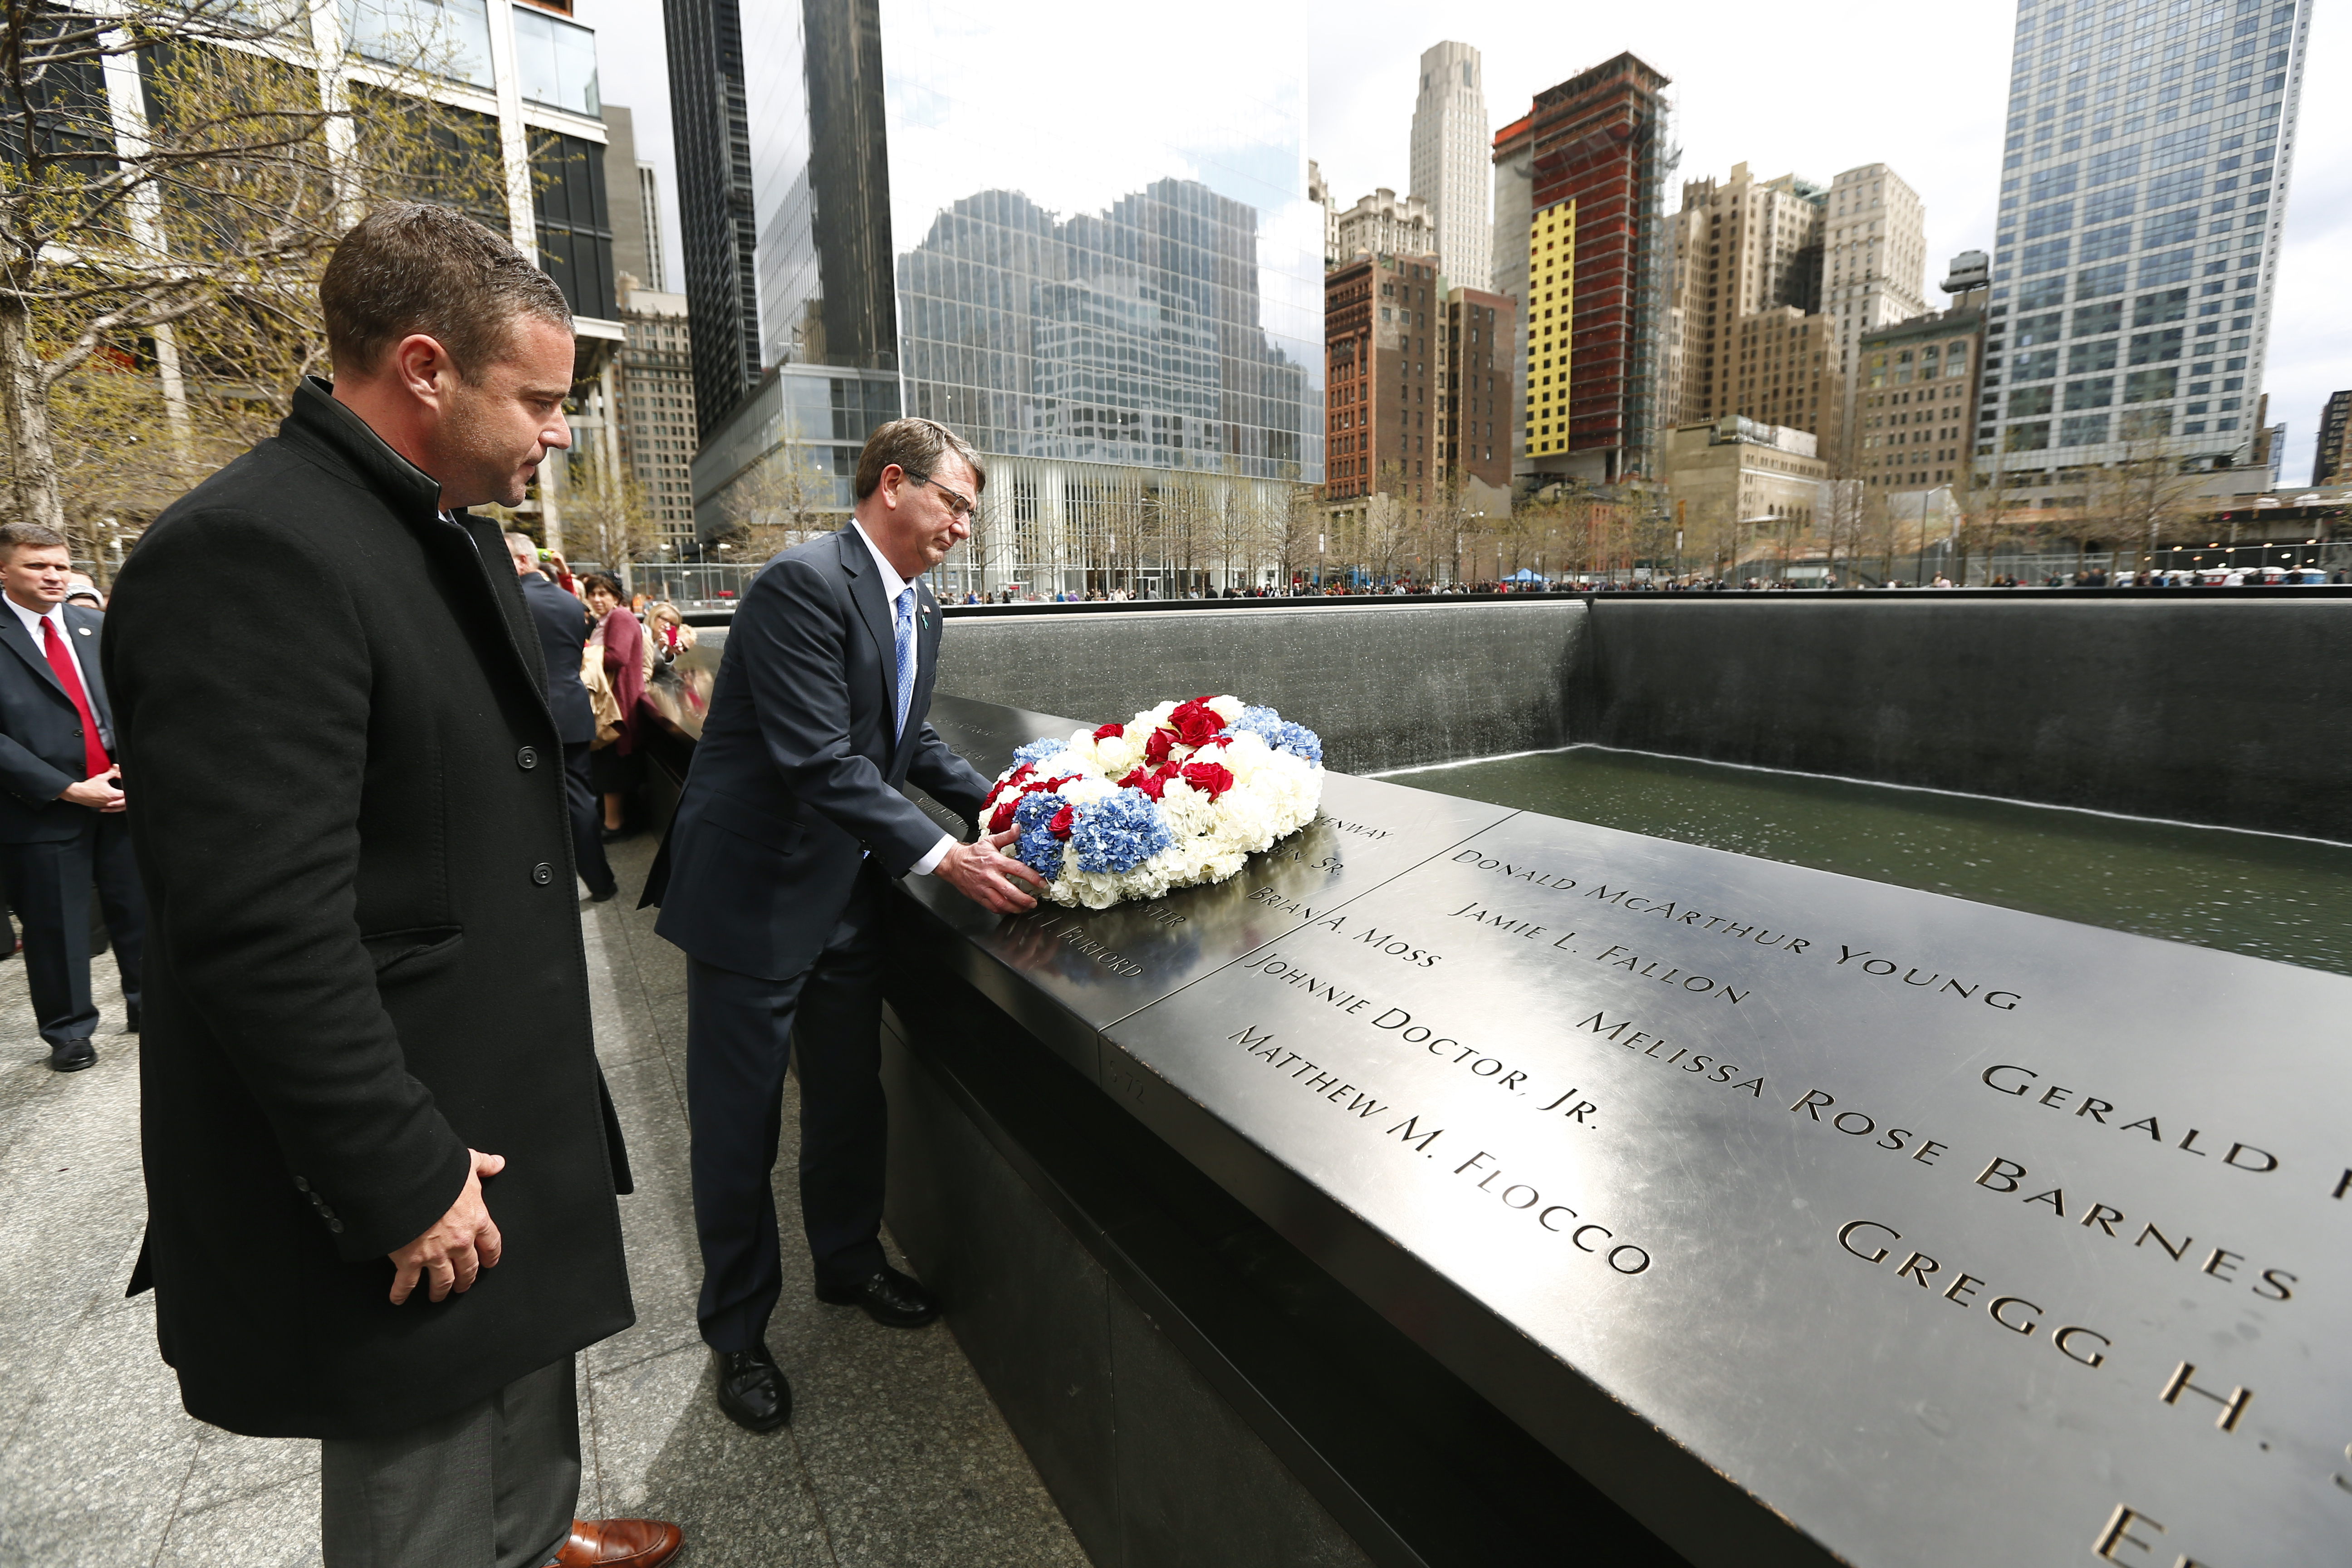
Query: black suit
772	879
563	623
53	852
368	947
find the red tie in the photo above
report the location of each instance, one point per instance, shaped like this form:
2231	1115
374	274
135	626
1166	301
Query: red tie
93	751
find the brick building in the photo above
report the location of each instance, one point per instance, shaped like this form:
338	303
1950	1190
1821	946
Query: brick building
1916	392
1475	400
1383	333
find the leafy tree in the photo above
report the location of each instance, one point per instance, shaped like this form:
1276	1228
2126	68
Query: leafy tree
173	176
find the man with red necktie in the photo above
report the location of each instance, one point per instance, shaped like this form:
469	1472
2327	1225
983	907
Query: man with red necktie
63	825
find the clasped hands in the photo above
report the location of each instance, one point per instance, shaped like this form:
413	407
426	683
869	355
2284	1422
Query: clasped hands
102	794
981	873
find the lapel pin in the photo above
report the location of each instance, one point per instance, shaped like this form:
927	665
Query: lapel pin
83	630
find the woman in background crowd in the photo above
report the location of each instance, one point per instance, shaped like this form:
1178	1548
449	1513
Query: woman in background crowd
615	638
669	629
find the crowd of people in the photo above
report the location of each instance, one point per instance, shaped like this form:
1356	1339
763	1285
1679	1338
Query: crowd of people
2097	577
632	636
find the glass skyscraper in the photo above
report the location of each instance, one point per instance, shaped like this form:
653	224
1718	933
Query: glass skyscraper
1127	322
2143	191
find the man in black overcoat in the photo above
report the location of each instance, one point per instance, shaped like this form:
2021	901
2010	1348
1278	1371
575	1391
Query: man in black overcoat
773	878
562	621
380	1162
64	826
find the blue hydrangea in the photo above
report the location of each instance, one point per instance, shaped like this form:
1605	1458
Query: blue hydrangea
1037	848
1120	833
1038	751
1279	733
1300	742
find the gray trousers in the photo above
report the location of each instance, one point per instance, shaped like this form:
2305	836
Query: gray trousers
493	1486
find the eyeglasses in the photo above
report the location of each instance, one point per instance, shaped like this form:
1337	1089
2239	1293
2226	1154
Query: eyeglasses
959	503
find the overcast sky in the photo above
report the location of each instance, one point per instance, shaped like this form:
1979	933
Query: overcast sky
1805	85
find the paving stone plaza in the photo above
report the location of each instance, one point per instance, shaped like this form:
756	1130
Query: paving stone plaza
895	1455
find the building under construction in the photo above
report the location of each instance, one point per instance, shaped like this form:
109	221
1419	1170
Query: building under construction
1599	141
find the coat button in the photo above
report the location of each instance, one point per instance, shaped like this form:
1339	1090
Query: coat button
301	1185
335	1225
542	873
526	757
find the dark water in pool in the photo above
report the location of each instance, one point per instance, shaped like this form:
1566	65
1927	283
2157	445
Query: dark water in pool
2284	899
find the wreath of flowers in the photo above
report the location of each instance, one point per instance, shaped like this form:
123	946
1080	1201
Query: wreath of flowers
1179	796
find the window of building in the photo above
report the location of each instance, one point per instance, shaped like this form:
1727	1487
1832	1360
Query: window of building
2097	393
453	35
555	62
575	227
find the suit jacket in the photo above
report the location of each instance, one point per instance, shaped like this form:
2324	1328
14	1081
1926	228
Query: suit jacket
364	949
797	773
40	732
563	623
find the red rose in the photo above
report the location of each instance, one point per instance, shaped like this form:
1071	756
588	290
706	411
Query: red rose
1003	818
1155	749
1063	819
1151	783
1107	730
1211	778
1195	723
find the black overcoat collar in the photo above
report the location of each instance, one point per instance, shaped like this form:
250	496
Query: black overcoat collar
332	431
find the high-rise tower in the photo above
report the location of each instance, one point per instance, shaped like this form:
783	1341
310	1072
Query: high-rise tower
711	123
1450	169
2143	190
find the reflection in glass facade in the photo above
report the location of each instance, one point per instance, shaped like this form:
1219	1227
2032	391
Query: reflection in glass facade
451	37
1128	336
1127	322
555	62
2143	191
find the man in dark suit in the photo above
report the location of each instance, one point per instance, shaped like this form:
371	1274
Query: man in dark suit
563	623
773	879
380	1162
63	825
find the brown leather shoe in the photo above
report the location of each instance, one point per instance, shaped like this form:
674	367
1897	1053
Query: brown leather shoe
619	1543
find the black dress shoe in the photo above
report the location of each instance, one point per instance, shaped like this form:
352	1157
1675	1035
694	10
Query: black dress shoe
889	1299
73	1055
752	1390
131	1021
614	834
604	897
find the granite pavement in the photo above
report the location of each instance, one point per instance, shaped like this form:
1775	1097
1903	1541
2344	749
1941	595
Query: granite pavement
896	1456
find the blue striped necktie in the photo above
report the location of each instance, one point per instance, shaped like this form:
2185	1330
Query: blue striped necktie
906	620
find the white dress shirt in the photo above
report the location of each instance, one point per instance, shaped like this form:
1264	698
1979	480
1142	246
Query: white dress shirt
85	660
892	586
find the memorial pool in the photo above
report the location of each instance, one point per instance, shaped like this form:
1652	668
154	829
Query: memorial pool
2289	899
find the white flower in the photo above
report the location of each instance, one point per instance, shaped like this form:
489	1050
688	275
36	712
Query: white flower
1117	754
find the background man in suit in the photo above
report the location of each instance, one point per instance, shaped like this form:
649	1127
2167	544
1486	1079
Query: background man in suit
563	623
62	817
381	1163
773	879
